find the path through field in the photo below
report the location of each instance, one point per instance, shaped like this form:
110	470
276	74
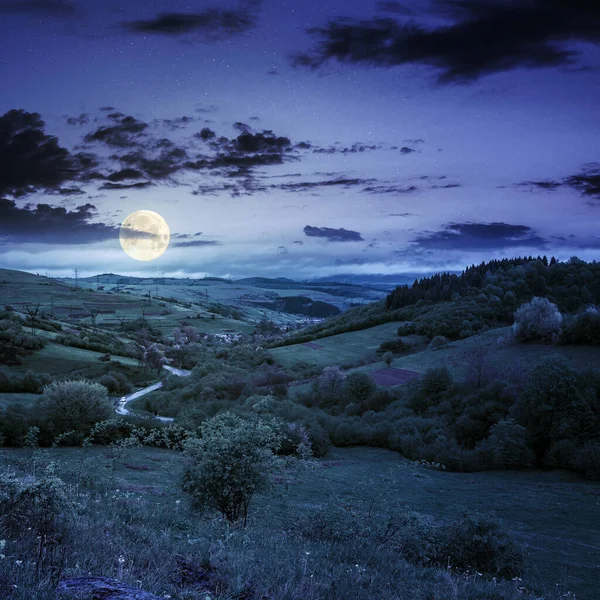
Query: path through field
121	410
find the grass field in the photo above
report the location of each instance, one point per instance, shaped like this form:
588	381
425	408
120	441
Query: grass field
57	359
552	514
455	355
344	348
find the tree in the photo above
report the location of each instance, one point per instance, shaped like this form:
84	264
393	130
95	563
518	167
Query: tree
359	387
154	357
538	319
33	312
75	405
507	446
232	461
94	312
547	404
330	382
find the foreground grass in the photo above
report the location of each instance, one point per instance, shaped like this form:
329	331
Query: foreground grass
136	512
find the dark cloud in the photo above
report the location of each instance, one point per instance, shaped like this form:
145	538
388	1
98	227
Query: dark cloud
407	150
486	36
30	159
404	214
152	164
107	108
126	132
70	191
81	119
205	134
333	235
40	8
478	236
390	189
304	186
125	174
125	186
211	23
586	182
266	141
541	184
47	224
356	147
196	243
211	108
178	122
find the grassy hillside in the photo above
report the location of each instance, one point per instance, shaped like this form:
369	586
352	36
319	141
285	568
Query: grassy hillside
345	348
553	515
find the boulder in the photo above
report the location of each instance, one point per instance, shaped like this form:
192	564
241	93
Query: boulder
100	588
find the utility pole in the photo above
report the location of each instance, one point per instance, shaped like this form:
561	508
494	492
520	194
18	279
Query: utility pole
76	279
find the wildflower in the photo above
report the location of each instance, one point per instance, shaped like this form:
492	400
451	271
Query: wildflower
121	560
18	563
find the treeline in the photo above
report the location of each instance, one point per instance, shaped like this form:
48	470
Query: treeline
570	284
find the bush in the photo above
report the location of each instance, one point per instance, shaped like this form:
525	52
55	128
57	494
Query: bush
437	342
75	405
232	462
358	388
539	319
35	513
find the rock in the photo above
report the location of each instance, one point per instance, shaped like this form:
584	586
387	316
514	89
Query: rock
100	588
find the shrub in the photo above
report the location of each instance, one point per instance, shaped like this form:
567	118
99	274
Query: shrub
75	405
232	462
507	446
35	512
358	388
437	342
388	357
538	319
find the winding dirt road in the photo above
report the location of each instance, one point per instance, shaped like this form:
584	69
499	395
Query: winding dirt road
120	408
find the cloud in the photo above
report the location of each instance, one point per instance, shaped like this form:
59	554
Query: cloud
333	235
30	159
125	174
125	186
125	132
353	149
478	236
81	119
390	189
45	224
211	23
586	182
304	186
196	243
39	8
178	122
484	37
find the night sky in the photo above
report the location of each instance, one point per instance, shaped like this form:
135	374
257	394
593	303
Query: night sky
299	138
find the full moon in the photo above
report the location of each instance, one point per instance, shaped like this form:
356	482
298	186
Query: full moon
144	235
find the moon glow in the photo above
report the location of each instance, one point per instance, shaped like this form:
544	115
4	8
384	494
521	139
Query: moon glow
144	235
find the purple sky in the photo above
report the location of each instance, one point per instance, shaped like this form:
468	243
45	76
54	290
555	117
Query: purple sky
299	138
